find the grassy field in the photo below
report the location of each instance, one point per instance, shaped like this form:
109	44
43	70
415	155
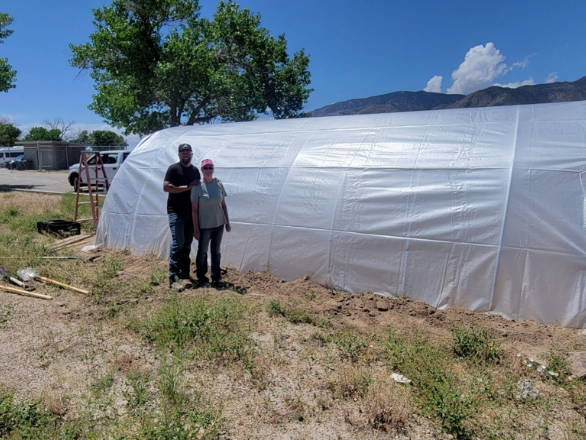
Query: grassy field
291	360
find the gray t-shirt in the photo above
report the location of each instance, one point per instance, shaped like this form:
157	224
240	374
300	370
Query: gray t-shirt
209	197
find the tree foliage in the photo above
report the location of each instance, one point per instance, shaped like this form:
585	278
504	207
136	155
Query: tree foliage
157	63
7	74
9	134
100	138
83	137
107	138
43	134
60	125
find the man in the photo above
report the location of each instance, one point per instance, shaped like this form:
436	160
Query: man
179	179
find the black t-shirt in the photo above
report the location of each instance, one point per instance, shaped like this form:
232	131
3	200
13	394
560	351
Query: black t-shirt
178	175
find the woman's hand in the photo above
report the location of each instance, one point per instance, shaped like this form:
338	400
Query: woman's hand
228	227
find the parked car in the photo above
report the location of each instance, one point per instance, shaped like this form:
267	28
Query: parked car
9	153
18	163
112	161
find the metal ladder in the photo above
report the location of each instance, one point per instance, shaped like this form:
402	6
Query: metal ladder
96	185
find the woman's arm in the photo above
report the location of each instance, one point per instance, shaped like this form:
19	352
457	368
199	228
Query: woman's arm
195	216
225	209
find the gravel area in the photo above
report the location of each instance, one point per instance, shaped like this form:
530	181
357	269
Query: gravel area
34	181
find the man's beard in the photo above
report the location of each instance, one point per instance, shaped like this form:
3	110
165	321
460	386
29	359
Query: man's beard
185	161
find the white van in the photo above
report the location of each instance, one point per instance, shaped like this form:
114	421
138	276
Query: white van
9	153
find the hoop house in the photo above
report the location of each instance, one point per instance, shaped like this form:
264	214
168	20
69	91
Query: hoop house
481	208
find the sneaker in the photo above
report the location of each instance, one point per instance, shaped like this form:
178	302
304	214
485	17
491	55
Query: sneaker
188	283
177	287
218	284
204	283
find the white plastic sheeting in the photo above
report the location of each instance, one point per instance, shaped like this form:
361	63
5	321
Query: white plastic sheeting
480	208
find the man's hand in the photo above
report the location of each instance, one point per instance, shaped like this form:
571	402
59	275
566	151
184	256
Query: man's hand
196	234
228	227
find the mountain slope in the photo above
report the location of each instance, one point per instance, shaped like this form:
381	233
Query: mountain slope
391	102
491	96
537	94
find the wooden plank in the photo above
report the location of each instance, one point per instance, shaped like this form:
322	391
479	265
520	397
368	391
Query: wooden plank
78	243
69	240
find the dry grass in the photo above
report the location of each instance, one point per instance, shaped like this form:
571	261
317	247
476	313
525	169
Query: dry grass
286	361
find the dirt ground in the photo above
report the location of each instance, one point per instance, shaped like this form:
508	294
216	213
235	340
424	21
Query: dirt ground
49	349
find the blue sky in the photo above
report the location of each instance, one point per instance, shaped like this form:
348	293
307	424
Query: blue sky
357	49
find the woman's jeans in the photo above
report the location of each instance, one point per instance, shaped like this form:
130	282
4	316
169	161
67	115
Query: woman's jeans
213	235
182	236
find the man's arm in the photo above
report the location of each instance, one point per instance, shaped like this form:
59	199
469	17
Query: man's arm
168	187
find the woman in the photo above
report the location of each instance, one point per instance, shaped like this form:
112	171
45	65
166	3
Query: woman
210	214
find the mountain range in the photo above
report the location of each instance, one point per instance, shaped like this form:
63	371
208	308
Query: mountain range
491	96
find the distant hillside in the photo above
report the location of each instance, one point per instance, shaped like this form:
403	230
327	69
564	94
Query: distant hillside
492	96
537	94
391	102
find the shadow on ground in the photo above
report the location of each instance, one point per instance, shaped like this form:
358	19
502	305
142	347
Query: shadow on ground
9	188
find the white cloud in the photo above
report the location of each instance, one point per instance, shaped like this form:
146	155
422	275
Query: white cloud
521	64
551	78
434	85
481	66
513	85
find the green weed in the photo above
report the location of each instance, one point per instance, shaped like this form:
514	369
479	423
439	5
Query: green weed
106	284
352	344
5	312
30	421
170	383
109	266
212	328
275	308
155	278
296	316
194	420
476	345
431	371
138	395
557	367
67	210
103	384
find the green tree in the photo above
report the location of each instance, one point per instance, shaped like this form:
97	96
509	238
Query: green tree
82	137
106	138
157	64
7	74
100	138
61	126
9	134
42	134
